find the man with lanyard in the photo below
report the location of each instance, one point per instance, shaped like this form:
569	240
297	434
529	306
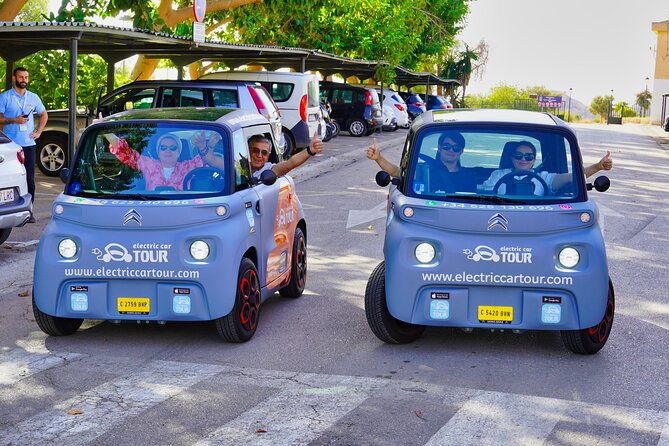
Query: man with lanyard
17	106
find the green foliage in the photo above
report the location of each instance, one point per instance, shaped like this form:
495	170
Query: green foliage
600	106
52	86
643	99
397	31
624	109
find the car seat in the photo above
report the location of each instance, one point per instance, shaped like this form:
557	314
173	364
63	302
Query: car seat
505	161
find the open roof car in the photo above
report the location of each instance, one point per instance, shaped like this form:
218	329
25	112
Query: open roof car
161	220
490	226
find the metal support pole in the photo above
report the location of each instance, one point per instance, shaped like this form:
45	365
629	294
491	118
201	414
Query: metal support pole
72	104
110	76
9	68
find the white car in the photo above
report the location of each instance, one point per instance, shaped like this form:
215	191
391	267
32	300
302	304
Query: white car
394	102
15	204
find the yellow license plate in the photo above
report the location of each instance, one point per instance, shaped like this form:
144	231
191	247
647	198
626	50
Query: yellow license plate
133	305
495	314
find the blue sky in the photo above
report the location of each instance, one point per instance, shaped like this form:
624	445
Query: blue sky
591	46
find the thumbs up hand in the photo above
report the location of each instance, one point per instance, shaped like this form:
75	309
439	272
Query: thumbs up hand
606	163
316	145
373	151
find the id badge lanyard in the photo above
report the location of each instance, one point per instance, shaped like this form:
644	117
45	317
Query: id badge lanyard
23	127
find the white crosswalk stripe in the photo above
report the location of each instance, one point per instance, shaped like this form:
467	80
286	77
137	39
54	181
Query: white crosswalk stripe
18	364
304	406
109	404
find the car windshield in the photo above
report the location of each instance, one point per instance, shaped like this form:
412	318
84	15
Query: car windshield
140	159
493	165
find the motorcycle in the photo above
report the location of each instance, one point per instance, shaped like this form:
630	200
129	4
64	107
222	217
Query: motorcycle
331	126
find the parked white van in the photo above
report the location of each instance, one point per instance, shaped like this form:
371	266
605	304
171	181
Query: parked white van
296	95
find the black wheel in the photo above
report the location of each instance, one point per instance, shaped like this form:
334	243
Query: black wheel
383	325
240	325
357	127
4	234
204	179
51	150
298	267
290	146
337	128
53	325
591	340
511	182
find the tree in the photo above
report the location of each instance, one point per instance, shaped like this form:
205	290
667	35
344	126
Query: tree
600	106
466	63
401	32
643	99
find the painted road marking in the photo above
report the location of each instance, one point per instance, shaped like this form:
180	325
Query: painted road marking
18	364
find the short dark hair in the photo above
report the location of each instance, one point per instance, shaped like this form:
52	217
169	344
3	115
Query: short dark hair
16	70
454	136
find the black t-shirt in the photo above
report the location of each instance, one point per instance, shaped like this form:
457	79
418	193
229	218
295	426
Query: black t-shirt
462	180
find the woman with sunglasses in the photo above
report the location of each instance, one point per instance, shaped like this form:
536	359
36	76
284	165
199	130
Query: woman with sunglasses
522	155
166	170
446	172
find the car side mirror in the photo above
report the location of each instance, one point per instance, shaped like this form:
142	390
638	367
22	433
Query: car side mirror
64	174
383	179
601	184
268	177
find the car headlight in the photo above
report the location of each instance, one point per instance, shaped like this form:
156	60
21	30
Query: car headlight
199	250
569	257
67	248
424	252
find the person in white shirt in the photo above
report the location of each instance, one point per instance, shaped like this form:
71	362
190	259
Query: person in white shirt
522	158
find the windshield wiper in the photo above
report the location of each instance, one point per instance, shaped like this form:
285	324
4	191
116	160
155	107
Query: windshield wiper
139	197
487	198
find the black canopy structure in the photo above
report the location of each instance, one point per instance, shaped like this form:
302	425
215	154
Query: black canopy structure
113	44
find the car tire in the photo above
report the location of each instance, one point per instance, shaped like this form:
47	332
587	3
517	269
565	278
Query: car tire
290	146
357	127
241	323
590	340
382	323
4	234
298	267
51	151
337	128
54	325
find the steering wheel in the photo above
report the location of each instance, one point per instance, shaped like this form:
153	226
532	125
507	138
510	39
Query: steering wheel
509	179
204	179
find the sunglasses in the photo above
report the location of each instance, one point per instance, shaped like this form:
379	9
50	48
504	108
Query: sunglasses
454	147
172	148
256	151
520	155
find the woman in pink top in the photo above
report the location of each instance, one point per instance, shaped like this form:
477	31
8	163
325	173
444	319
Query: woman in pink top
166	170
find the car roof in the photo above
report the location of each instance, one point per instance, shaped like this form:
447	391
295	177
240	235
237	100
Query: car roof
489	116
233	117
180	83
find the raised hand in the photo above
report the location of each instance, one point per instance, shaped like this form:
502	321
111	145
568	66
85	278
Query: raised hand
606	163
373	151
316	145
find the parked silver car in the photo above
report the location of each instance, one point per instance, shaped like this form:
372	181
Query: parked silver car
15	203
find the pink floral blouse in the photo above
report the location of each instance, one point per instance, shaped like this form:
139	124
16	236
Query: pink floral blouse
152	169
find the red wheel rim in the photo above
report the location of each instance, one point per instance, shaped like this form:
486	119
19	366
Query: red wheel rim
249	292
600	332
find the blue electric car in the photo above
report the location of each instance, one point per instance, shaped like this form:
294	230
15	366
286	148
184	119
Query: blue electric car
490	226
161	220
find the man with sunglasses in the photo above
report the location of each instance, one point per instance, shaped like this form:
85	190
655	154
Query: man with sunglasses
446	172
522	156
260	148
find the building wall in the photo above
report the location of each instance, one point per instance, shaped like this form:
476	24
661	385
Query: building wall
661	80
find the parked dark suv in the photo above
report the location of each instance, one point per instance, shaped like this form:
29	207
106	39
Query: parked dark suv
414	102
357	109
